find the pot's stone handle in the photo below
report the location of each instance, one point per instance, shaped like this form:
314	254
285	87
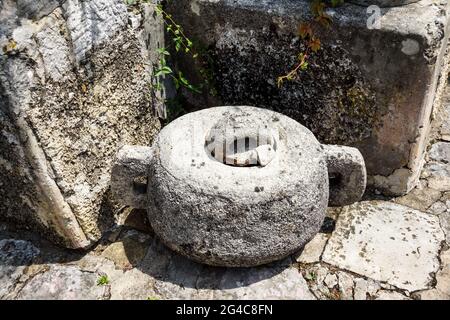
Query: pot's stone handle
132	163
347	173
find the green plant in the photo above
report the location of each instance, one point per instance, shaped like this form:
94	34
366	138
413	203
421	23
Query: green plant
179	44
102	280
307	32
311	276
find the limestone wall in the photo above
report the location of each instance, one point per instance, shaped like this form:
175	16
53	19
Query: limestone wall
74	86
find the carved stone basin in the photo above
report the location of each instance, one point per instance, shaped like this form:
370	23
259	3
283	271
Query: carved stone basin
237	186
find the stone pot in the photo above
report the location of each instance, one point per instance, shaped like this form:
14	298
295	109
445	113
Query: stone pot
237	186
382	3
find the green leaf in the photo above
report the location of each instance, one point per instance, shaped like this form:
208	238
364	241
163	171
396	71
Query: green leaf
163	51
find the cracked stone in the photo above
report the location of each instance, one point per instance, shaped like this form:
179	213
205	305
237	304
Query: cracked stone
420	199
346	284
438	176
313	249
442	288
129	251
440	152
444	219
63	282
331	280
445	125
133	285
365	288
15	255
386	242
390	295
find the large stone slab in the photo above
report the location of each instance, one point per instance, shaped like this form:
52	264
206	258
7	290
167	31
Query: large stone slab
372	88
387	242
74	87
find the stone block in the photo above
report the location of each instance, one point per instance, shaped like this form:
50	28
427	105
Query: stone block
371	87
74	87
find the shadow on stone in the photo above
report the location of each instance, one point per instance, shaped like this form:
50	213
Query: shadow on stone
163	264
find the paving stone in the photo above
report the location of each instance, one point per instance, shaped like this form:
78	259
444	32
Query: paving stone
129	251
438	176
365	289
437	208
313	250
386	242
133	285
263	283
15	255
390	295
185	279
64	282
444	219
440	152
442	289
346	285
420	199
331	280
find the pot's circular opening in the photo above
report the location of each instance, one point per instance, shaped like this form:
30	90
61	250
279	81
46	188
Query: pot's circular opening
241	148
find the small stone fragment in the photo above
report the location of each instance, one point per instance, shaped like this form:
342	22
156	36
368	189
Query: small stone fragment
313	249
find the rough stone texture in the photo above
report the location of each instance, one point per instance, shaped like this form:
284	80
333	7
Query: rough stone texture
64	283
442	288
74	86
313	250
369	88
390	295
383	3
438	176
227	215
386	242
420	198
15	255
348	175
128	252
440	152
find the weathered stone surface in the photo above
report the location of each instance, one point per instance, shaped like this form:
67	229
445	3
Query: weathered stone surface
383	80
346	284
15	255
444	218
134	285
390	295
442	288
226	215
419	198
386	242
365	289
440	152
347	170
79	66
438	176
64	283
129	251
313	250
383	3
